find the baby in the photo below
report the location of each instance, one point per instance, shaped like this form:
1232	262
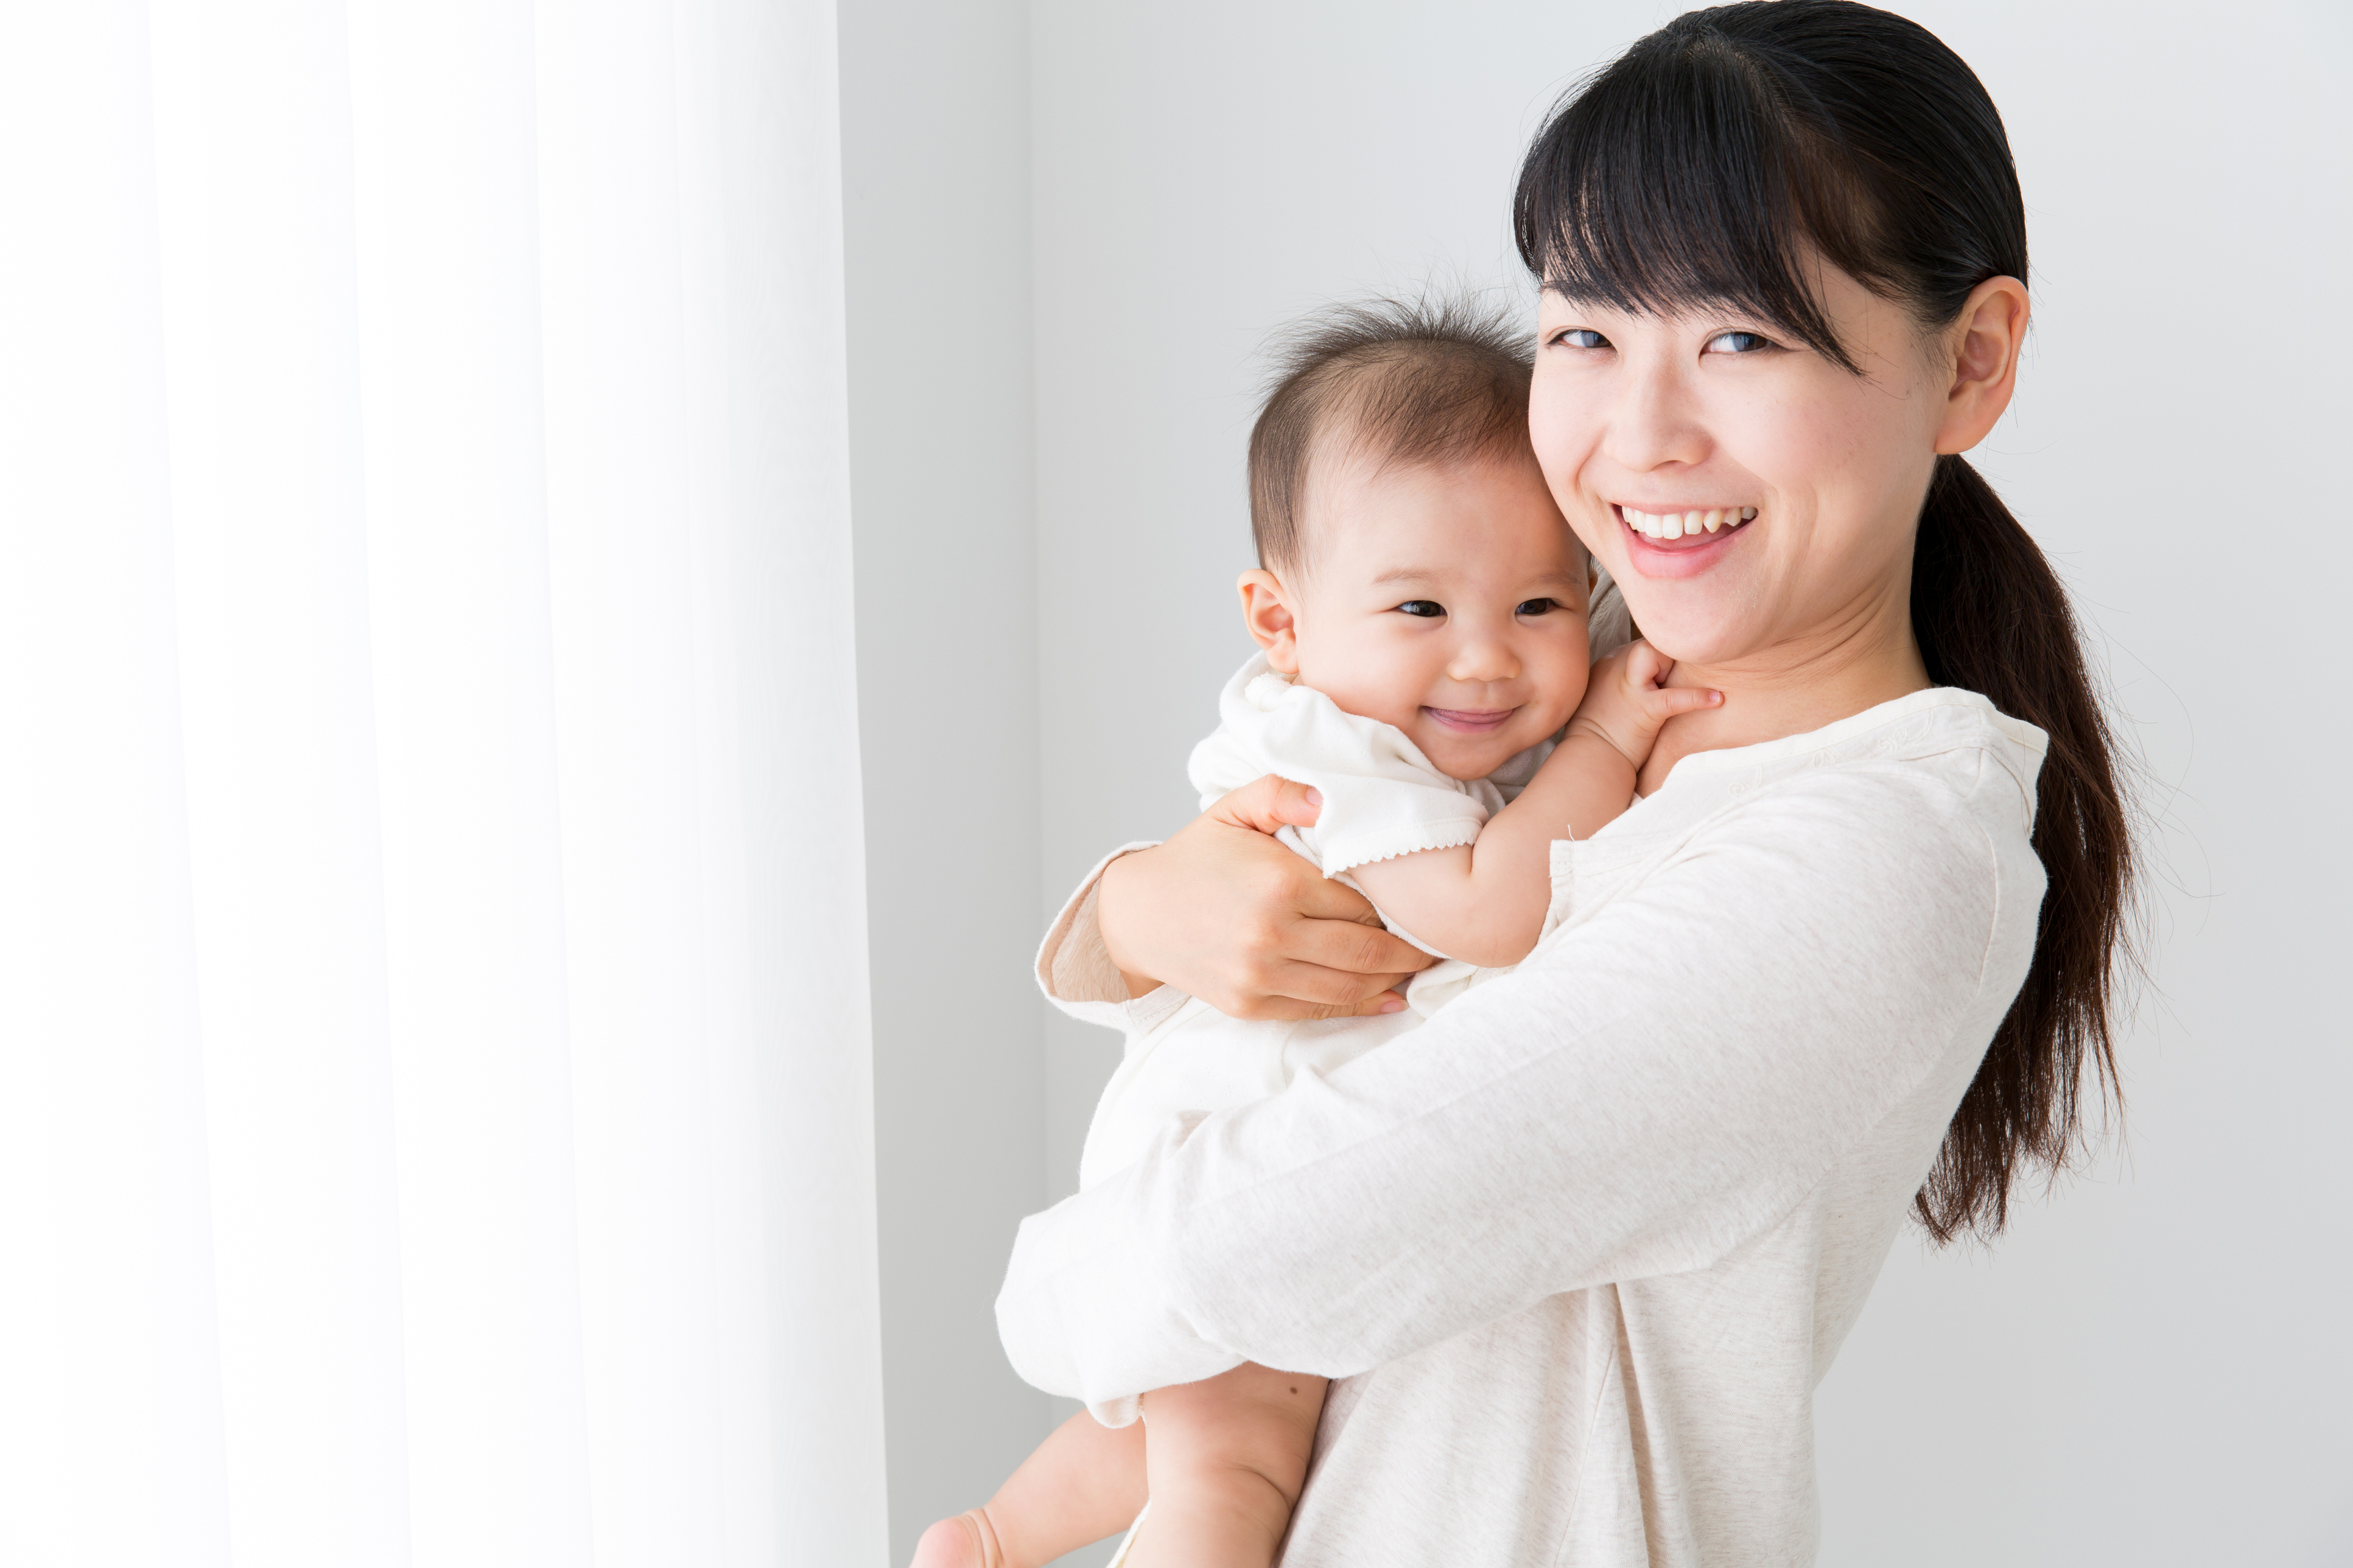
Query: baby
1421	613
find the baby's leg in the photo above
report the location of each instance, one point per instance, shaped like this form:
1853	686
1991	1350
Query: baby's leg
1226	1458
1084	1481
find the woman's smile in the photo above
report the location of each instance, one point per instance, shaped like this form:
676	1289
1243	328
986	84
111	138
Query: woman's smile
1680	542
1672	523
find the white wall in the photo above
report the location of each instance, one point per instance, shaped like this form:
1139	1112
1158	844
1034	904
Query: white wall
2145	1370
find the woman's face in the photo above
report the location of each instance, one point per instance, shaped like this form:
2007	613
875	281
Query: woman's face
1814	474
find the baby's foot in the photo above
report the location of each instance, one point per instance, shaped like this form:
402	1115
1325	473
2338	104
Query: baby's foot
968	1540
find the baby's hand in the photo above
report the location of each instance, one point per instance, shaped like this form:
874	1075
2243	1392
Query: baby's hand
1628	699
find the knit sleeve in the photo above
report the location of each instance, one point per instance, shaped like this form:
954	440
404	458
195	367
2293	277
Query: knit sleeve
1667	1076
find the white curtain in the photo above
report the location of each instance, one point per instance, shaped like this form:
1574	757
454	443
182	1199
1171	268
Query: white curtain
435	1113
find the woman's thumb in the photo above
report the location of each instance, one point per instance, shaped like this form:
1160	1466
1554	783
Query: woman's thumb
1270	803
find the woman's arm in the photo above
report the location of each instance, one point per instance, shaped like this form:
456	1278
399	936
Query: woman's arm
1654	1087
1223	913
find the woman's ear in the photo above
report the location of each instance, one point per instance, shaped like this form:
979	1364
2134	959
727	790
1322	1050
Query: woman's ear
1985	348
1266	611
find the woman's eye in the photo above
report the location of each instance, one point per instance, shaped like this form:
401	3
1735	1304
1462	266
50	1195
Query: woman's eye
1582	338
1537	607
1422	607
1738	342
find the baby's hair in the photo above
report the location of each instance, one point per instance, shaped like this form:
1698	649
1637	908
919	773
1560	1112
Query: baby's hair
1420	382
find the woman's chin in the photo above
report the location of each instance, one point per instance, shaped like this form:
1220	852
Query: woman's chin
1703	628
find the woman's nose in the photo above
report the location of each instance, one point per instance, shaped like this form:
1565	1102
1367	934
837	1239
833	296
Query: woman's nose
1654	425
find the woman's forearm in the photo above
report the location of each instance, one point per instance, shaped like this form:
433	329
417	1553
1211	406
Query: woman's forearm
1122	873
1636	1099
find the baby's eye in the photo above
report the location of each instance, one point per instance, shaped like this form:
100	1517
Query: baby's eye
1581	338
1537	607
1422	607
1738	342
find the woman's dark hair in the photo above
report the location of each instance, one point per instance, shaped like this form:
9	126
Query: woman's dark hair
1713	164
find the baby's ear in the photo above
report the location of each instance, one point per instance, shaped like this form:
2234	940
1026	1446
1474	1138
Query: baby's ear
1266	613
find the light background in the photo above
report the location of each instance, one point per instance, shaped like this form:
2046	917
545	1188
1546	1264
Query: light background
1070	227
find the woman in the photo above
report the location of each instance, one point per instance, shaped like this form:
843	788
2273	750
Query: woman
1581	1248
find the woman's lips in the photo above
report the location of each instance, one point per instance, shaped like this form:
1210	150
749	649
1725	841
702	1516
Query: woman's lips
1695	550
1472	720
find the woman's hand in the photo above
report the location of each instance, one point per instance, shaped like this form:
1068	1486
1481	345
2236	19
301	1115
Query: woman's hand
1225	913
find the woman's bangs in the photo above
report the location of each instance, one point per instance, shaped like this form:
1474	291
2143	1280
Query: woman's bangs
1671	184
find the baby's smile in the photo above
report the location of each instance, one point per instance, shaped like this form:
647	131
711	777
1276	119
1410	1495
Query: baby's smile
1472	720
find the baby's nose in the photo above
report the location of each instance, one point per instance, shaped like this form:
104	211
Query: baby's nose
1485	658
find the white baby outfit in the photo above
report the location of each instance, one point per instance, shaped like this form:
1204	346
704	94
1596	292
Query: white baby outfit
1382	798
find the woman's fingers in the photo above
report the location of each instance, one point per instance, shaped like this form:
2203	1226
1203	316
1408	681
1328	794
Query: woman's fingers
1317	958
1349	943
1287	1004
1289	989
1267	804
1226	913
1336	992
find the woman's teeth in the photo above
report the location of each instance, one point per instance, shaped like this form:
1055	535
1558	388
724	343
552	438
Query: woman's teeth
1675	524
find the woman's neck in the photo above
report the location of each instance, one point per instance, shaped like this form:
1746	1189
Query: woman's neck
1795	687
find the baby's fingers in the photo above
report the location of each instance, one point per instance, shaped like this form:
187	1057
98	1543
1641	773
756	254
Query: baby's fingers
1663	702
1645	666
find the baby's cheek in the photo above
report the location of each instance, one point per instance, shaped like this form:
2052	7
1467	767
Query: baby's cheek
1382	702
1565	688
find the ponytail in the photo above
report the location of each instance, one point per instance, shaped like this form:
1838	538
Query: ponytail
1727	159
1991	617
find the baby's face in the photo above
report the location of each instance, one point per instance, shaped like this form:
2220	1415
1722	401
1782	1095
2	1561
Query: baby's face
1450	602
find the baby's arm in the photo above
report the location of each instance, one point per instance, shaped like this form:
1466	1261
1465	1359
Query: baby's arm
1485	902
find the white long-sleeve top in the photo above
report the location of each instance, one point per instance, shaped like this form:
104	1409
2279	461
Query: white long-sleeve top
1579	1249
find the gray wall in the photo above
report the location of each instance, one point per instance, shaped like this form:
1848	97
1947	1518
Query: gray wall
2145	1370
936	143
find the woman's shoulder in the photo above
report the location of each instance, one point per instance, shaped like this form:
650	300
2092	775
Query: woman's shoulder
1907	761
1918	812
